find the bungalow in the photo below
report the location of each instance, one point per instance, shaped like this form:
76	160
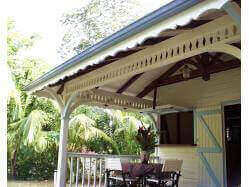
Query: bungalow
180	63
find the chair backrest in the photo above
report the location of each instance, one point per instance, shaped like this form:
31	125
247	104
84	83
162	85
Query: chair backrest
172	165
113	164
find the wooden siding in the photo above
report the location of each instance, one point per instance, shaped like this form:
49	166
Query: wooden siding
221	87
203	96
190	162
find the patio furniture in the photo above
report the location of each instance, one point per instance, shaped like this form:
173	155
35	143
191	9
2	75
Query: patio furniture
116	176
140	171
169	175
129	174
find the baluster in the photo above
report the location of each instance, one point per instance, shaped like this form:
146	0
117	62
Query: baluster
71	172
77	172
100	171
105	177
89	172
95	171
83	171
55	178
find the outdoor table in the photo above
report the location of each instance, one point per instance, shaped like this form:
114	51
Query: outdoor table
141	171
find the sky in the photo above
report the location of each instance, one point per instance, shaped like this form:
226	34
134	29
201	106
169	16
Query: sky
42	17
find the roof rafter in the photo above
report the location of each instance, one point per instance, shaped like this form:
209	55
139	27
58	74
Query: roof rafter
165	75
129	83
61	89
216	58
224	66
203	63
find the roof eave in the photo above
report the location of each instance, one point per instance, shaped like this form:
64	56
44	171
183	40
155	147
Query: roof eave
142	24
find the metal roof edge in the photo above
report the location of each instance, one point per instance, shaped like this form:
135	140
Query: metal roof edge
142	24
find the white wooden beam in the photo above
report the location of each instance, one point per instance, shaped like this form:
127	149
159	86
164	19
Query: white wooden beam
104	98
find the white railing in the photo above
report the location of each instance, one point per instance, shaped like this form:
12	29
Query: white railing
87	170
55	177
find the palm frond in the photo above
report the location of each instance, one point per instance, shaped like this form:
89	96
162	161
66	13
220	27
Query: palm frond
33	125
81	128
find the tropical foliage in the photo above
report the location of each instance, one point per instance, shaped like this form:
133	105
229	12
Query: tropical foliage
96	20
146	138
30	119
93	22
34	123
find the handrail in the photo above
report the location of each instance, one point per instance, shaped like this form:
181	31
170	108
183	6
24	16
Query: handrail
89	169
72	154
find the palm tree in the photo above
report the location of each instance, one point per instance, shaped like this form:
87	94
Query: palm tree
24	125
125	126
26	131
82	129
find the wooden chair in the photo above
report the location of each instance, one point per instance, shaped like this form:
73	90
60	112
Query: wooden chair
112	167
170	174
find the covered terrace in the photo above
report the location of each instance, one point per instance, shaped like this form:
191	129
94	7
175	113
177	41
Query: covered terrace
184	56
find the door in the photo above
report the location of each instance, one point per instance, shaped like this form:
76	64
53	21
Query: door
208	137
232	115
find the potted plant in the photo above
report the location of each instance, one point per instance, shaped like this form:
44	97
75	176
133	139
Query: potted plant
147	140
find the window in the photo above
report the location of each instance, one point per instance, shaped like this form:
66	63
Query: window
177	128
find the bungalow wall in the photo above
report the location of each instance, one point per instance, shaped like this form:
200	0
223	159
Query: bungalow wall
206	98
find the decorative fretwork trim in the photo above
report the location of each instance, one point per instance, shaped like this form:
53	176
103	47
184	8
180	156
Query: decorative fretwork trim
104	98
200	40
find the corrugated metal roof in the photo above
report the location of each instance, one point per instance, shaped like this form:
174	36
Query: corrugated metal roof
163	13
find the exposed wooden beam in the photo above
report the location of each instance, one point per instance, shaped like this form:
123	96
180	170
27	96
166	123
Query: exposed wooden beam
216	58
165	75
238	45
129	83
203	62
154	98
193	24
224	66
193	63
174	32
61	89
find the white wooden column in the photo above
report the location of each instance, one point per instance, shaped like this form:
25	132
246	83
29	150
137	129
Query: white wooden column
62	157
157	119
158	125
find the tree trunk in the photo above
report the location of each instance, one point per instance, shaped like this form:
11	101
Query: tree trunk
14	164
